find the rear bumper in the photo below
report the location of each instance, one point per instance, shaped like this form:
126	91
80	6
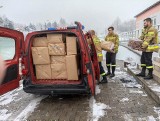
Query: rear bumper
55	89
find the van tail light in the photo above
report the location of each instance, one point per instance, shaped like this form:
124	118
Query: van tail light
22	70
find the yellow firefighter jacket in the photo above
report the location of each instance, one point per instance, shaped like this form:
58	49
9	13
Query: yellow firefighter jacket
150	39
97	44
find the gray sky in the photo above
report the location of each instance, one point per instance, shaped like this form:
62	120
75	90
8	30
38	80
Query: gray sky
96	14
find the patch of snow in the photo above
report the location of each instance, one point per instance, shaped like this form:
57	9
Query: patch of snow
97	110
151	118
157	110
19	88
125	69
98	90
4	115
131	66
144	95
124	99
136	91
155	88
148	118
29	109
128	117
133	85
8	98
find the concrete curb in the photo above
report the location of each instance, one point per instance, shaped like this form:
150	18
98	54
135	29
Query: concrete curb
147	86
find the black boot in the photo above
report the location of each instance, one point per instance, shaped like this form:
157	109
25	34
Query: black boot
150	75
142	73
104	80
109	72
113	70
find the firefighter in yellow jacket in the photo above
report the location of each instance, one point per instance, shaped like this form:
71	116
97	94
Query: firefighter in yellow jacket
149	37
97	44
111	56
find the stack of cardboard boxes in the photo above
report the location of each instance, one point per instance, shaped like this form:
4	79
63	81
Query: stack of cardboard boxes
55	57
156	71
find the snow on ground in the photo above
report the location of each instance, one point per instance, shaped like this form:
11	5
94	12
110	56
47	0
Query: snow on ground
98	90
124	99
155	88
29	109
157	110
127	80
4	114
136	91
148	118
10	96
19	112
127	117
97	110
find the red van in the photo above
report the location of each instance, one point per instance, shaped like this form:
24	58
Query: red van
21	66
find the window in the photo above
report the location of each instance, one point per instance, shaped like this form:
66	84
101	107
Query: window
154	21
7	48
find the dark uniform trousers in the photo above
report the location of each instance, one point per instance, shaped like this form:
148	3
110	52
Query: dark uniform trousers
111	61
146	60
102	72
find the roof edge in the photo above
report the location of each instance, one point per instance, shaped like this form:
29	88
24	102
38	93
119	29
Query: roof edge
158	2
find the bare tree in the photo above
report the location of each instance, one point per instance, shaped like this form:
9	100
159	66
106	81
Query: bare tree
129	25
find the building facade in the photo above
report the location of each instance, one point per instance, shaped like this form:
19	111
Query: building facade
153	12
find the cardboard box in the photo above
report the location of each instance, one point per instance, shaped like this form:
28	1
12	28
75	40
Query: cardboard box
71	44
43	71
107	45
40	42
55	38
58	59
72	67
136	44
40	55
59	71
57	49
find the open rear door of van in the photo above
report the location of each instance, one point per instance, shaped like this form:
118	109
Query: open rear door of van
93	55
11	50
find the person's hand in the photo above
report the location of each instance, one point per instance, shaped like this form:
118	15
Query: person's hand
2	69
112	51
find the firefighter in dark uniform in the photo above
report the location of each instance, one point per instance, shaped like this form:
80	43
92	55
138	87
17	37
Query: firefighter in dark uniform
111	56
150	44
97	44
